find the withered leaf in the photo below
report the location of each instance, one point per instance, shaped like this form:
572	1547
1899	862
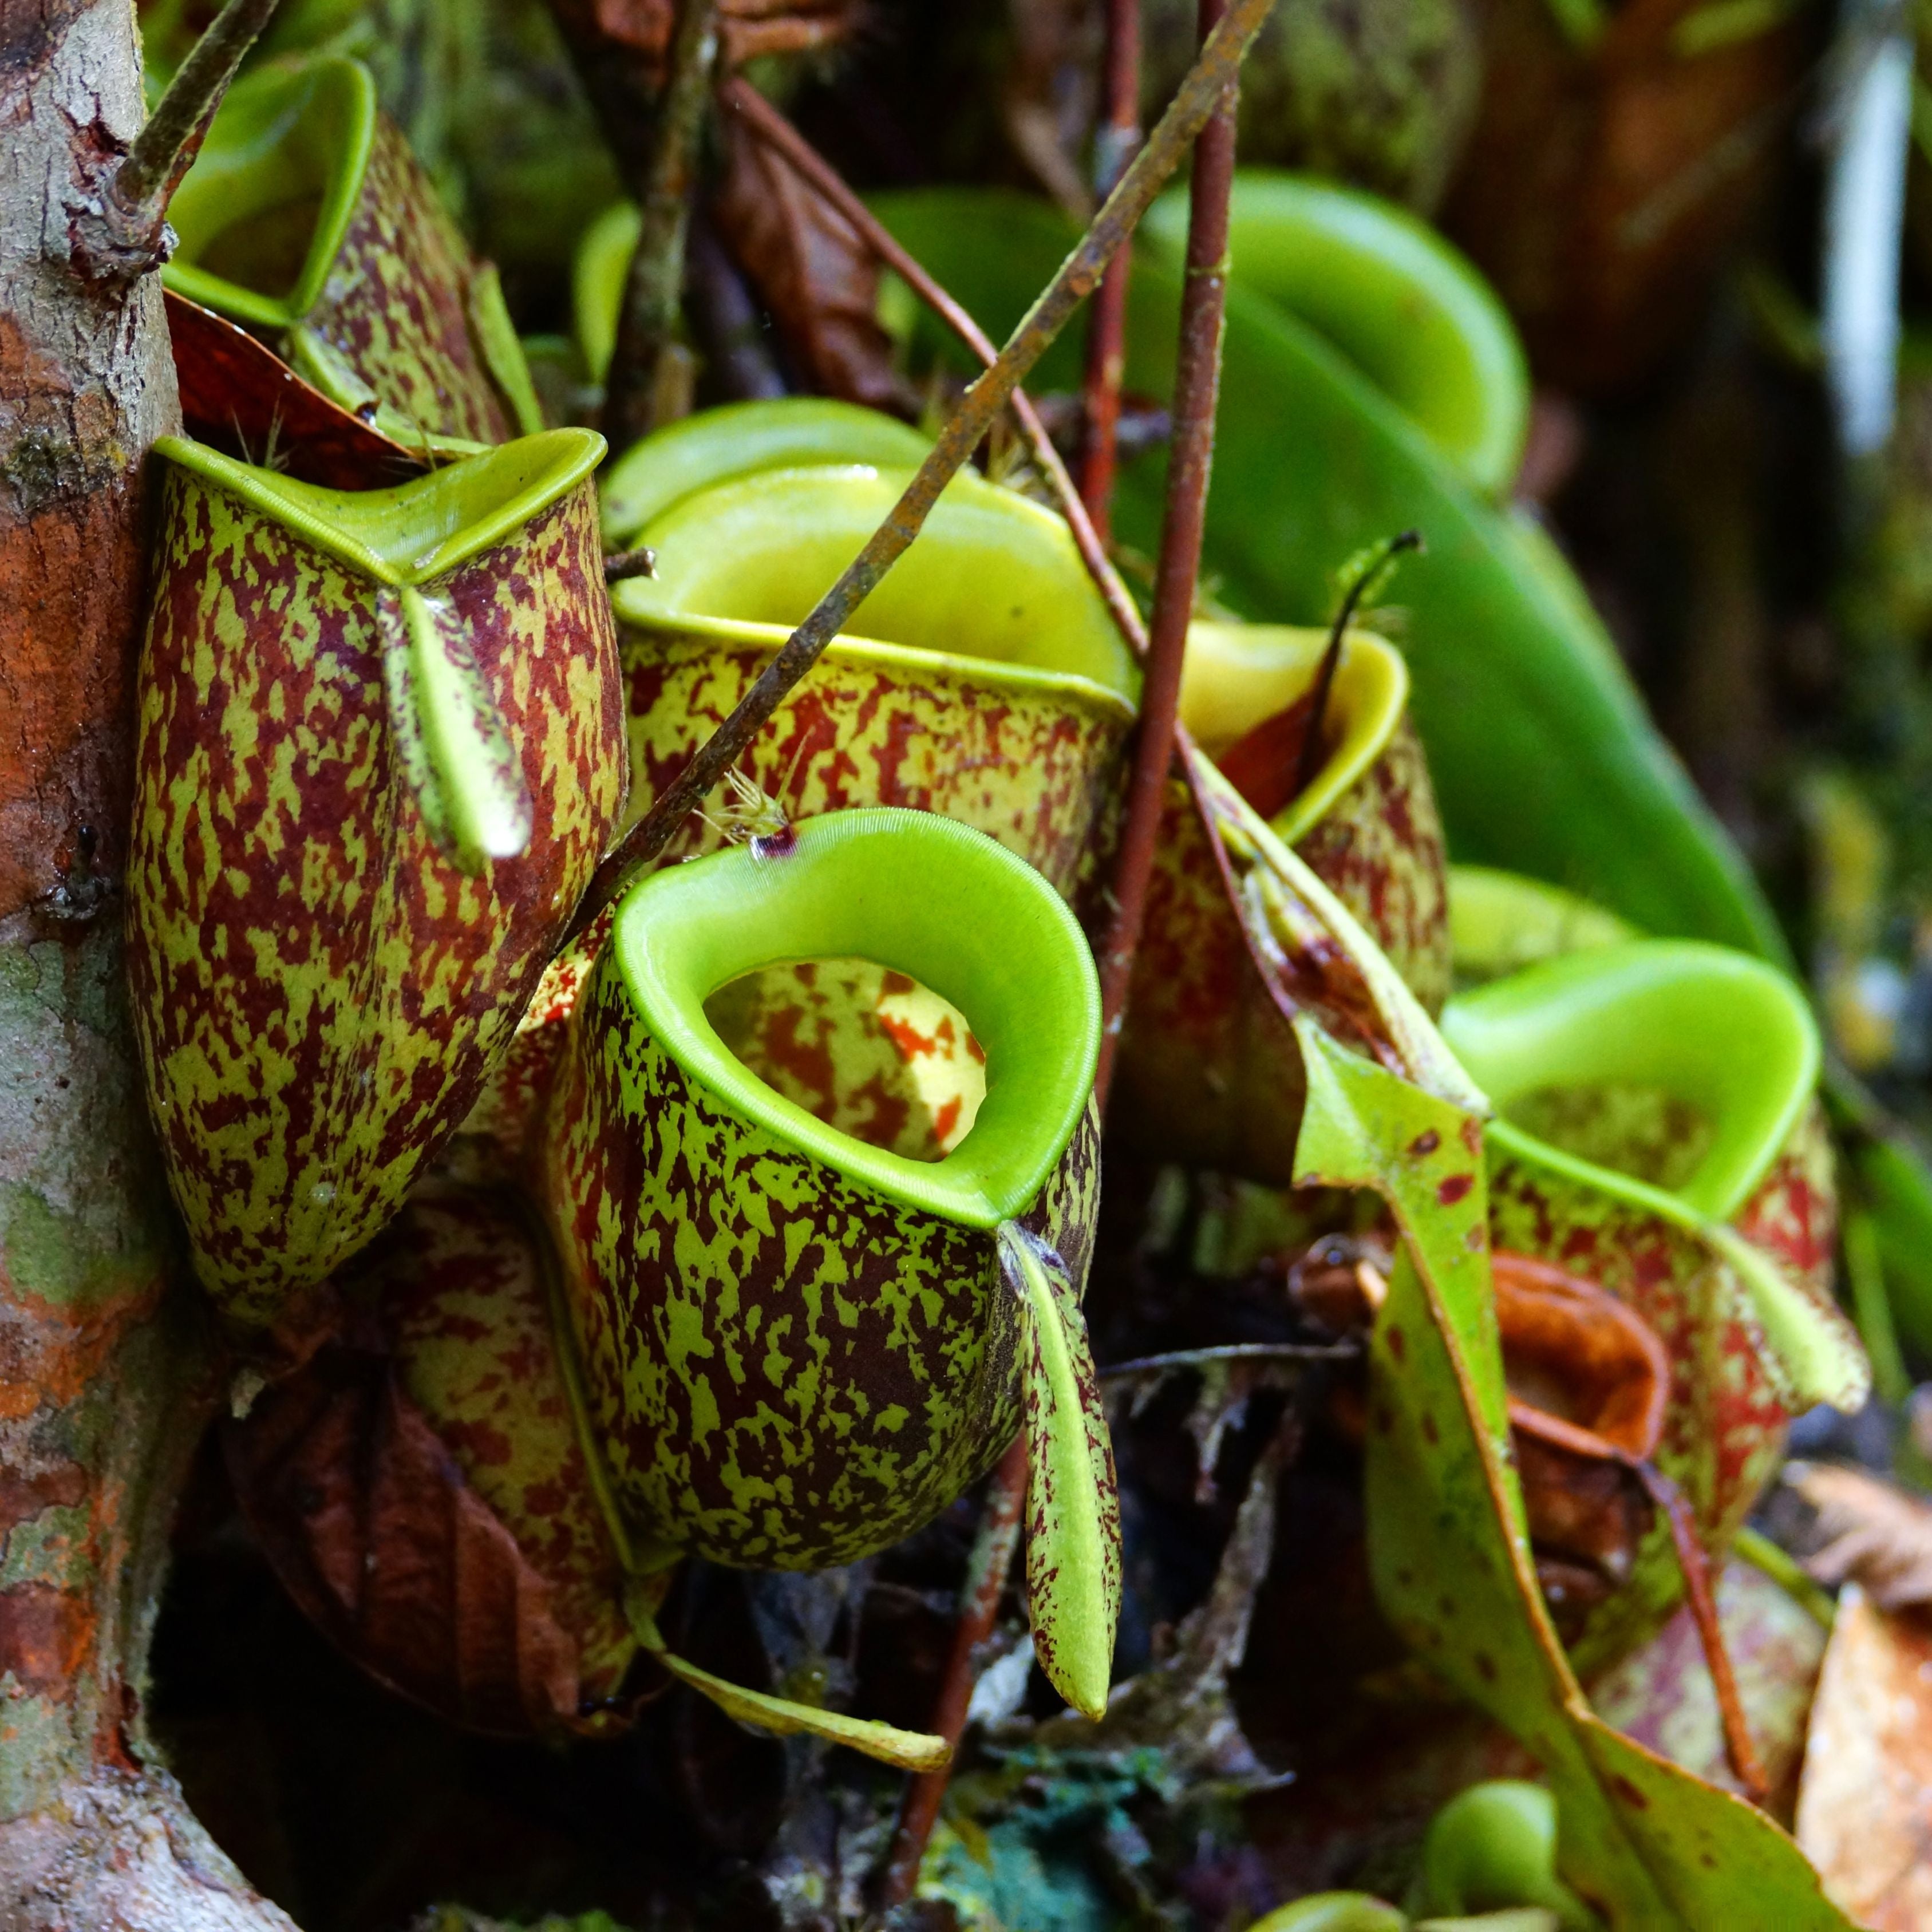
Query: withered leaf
1861	1803
241	396
1875	1535
365	1518
748	27
811	268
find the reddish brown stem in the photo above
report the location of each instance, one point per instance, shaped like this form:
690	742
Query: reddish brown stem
772	127
1197	385
1696	1565
992	1557
1692	1561
1199	99
1107	324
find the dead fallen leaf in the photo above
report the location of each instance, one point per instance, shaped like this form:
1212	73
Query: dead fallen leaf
1864	1804
239	394
749	28
811	268
1877	1536
419	1488
362	1515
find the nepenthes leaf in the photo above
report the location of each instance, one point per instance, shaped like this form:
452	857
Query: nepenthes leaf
1649	1844
1073	1511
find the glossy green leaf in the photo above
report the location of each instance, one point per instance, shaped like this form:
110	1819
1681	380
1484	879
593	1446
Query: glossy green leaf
1407	308
1544	759
1073	1509
1647	1843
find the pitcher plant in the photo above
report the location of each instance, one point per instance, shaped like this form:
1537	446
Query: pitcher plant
380	750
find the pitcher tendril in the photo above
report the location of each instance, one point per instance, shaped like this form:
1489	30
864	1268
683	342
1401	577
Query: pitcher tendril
1368	578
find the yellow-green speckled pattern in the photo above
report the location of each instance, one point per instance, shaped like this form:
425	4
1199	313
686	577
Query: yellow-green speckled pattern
398	305
1031	764
318	993
786	1370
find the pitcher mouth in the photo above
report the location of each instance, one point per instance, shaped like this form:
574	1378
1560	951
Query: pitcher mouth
288	147
739	439
925	896
1237	676
418	531
1666	1014
994	588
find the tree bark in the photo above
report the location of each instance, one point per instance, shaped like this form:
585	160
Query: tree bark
107	1370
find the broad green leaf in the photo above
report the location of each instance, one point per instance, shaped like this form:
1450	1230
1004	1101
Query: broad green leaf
1073	1509
1542	756
1647	1843
905	1750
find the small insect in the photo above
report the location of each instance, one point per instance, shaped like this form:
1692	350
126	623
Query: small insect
755	817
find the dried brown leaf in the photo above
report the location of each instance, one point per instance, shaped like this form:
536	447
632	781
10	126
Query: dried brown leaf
364	1515
1877	1535
749	28
239	394
1864	1804
811	268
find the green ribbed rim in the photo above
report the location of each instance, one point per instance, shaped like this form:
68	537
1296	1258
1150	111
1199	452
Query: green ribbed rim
747	560
310	126
1722	1031
920	895
420	530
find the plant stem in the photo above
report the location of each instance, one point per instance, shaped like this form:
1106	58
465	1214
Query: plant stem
1200	95
1197	385
771	127
1107	324
993	1550
123	237
653	290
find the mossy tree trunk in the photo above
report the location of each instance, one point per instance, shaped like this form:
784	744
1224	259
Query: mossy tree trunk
107	1371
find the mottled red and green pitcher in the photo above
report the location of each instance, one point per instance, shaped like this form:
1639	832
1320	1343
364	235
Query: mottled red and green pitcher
306	218
799	1344
1658	1133
381	748
982	680
1210	1074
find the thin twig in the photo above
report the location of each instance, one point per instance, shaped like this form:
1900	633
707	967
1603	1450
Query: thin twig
653	289
1197	384
124	236
1693	1564
772	127
993	1550
1309	762
1200	94
620	565
1107	322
